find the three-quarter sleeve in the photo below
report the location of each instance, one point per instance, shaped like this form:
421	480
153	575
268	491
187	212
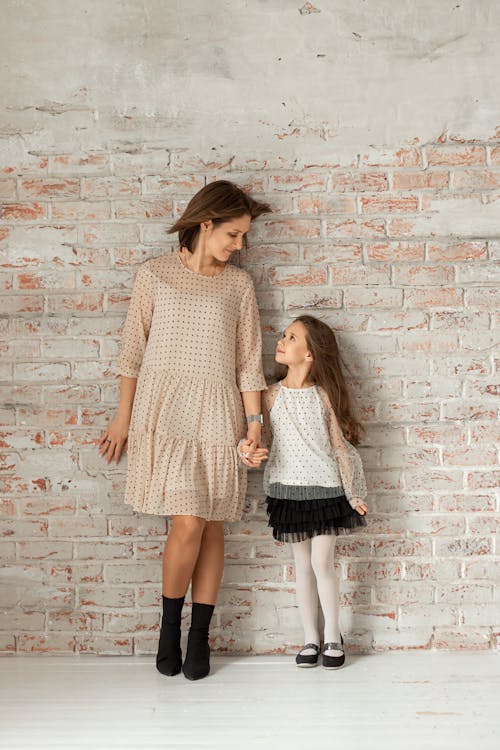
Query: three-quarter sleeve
249	372
137	324
347	457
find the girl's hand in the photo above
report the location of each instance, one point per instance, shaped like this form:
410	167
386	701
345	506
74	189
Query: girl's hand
114	439
250	453
361	508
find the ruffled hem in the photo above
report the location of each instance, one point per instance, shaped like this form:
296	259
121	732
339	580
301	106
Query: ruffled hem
171	476
282	491
298	520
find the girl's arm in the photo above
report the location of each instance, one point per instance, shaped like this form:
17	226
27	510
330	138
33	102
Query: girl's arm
348	460
268	399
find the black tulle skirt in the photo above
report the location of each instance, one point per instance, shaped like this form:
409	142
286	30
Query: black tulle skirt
297	520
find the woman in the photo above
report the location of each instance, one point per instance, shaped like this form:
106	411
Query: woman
191	371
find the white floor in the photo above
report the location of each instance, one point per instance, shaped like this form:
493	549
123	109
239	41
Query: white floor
409	700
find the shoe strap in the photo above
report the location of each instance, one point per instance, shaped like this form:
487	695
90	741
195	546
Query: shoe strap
310	645
332	647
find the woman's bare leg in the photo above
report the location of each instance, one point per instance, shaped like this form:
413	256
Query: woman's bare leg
205	586
207	574
179	559
181	553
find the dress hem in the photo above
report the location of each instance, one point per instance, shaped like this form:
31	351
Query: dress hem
169	514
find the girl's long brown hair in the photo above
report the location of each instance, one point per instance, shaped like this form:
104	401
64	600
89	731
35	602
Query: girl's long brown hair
219	201
326	371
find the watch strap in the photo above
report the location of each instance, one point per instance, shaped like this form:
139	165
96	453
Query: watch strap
255	418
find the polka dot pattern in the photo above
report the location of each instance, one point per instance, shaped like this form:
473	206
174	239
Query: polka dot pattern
309	456
194	343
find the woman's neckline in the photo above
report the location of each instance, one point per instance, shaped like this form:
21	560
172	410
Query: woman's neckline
195	273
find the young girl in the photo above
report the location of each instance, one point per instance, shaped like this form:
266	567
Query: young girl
314	478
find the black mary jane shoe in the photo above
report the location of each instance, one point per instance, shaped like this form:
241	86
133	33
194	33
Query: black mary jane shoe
307	660
333	662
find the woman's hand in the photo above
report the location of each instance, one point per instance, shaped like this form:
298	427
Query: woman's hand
361	508
114	439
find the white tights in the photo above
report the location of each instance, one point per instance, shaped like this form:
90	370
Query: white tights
315	575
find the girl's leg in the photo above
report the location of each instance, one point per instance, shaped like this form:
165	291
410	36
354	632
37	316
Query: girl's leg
181	553
306	593
328	587
207	574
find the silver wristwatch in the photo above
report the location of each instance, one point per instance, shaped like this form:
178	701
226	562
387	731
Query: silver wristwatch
255	418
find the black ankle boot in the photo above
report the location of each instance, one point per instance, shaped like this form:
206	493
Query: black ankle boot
169	657
197	662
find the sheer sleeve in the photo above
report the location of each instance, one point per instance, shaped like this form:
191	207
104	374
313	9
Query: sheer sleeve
347	457
268	399
137	324
249	373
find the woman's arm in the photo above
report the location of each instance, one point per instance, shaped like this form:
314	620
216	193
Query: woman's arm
133	345
137	324
252	454
114	439
249	374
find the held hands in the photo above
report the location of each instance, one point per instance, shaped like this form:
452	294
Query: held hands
114	439
250	453
249	448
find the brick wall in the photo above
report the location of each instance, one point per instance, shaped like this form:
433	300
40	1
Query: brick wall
396	250
373	130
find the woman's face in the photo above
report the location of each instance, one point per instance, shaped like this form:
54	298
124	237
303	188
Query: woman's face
292	347
222	240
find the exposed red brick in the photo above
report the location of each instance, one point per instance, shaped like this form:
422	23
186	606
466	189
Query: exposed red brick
455	155
22	211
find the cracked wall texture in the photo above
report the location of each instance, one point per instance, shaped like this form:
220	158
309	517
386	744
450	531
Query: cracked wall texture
373	129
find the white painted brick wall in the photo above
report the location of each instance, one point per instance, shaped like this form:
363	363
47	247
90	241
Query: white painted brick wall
373	136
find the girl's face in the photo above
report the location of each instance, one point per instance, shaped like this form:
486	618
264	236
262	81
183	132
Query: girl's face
222	240
292	348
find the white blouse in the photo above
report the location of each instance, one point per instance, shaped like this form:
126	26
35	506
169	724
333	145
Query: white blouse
309	456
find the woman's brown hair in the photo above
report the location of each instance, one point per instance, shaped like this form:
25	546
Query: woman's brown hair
326	371
219	201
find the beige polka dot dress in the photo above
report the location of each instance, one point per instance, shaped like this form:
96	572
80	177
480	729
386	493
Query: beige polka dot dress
194	344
